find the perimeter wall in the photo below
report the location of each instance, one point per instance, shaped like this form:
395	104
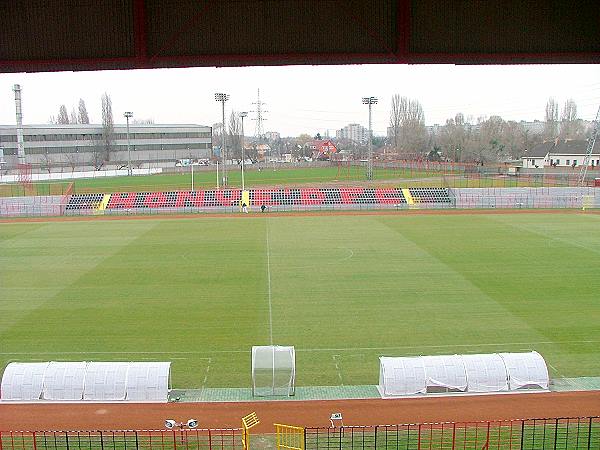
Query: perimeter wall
301	199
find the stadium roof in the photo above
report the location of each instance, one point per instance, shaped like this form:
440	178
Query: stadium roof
54	35
567	147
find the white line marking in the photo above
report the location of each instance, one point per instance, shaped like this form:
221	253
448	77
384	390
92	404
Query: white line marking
269	286
206	373
349	256
298	349
336	360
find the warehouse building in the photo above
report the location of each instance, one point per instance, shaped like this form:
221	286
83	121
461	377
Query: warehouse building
72	147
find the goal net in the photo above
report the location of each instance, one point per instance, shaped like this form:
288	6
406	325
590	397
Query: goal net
273	370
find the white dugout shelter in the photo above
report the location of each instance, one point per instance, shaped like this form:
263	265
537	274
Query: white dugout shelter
495	372
273	370
83	381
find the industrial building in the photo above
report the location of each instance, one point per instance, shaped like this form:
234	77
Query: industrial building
83	146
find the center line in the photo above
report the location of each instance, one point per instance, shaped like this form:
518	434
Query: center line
269	286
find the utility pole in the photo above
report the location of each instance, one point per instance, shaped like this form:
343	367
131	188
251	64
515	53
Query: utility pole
242	115
220	97
370	101
260	132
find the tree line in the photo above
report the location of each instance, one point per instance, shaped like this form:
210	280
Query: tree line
488	139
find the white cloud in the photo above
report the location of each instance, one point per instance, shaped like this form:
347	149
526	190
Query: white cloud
308	99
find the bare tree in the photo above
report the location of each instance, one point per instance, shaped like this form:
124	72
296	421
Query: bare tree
107	126
73	160
395	121
235	135
52	119
46	162
551	118
83	114
455	137
97	153
73	119
570	126
408	117
63	117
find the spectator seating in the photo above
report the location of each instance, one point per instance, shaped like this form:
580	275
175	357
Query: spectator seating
431	195
84	202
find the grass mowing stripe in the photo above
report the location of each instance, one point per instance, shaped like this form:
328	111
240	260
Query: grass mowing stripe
198	288
269	284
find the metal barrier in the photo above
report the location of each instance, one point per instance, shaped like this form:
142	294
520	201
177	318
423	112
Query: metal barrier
534	434
289	437
200	439
248	422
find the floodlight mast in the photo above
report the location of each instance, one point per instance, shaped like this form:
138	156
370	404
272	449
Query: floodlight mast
589	150
370	101
220	97
128	115
242	115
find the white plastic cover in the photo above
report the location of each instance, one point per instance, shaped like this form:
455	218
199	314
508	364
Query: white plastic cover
445	371
273	370
148	381
106	381
486	373
23	381
526	370
64	380
402	376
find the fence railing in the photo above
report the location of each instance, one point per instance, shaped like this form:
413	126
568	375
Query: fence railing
200	439
525	434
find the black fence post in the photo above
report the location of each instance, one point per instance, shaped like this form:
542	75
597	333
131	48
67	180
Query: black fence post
590	433
522	433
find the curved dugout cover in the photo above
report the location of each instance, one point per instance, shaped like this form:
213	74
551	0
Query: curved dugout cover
95	381
273	370
23	381
526	370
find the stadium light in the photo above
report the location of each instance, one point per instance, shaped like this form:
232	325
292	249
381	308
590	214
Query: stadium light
220	97
370	101
128	115
242	115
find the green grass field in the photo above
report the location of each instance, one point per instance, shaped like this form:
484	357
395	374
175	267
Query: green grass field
206	179
343	289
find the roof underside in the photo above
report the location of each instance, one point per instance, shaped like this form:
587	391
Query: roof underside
50	35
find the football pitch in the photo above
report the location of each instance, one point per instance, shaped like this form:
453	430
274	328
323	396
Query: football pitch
343	290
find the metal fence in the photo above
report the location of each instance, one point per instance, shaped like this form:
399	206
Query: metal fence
201	439
534	434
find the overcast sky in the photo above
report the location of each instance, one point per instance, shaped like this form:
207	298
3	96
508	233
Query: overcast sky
307	99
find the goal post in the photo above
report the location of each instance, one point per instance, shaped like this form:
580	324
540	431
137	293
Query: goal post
273	370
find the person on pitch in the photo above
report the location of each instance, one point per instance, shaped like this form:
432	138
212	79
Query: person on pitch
244	208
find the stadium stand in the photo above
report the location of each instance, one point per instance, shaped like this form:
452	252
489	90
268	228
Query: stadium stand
83	202
304	197
436	195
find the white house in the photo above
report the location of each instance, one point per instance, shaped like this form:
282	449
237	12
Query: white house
565	153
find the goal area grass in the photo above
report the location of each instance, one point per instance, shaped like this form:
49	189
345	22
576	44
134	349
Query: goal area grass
344	290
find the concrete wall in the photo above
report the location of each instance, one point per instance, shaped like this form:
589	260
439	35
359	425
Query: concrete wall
525	197
50	205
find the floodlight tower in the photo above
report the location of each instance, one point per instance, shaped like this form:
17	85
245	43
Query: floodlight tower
370	101
128	115
589	150
19	111
220	97
242	115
